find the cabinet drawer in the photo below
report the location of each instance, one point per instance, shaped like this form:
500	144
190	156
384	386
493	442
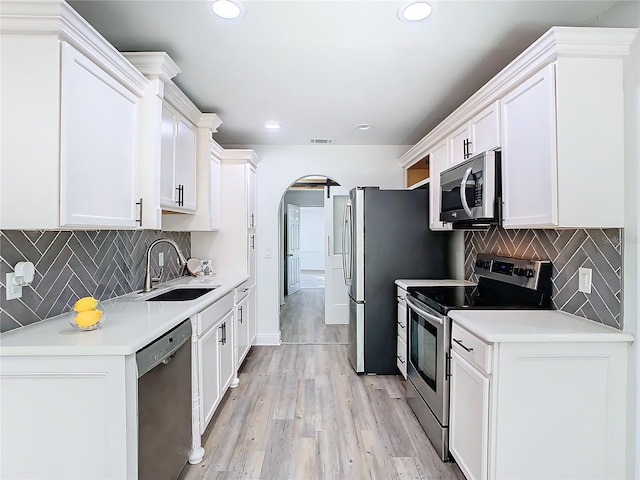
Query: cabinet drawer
471	348
211	315
242	291
401	357
401	322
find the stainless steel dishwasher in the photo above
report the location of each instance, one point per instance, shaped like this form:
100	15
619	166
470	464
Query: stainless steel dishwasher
164	405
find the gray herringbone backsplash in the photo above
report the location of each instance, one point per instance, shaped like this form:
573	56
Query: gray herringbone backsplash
74	264
599	250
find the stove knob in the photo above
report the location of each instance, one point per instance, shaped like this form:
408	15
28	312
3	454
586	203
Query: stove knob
486	264
517	272
529	273
479	263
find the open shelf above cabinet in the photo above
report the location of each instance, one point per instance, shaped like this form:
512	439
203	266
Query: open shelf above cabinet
418	173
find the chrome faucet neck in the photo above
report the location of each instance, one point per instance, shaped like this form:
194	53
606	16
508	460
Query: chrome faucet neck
148	281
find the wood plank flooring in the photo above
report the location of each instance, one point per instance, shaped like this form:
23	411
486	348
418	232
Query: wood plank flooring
302	320
301	412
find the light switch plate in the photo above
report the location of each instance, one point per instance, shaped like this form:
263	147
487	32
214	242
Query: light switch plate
584	280
13	291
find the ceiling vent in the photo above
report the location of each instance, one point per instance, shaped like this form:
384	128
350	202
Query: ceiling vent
322	141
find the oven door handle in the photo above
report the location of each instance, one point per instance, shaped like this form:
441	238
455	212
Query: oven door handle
463	191
422	312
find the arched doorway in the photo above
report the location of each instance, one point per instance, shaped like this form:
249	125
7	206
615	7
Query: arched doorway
313	297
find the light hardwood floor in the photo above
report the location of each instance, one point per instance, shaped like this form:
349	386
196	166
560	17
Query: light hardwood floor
302	319
301	412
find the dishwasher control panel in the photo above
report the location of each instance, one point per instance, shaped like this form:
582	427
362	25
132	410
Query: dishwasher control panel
162	349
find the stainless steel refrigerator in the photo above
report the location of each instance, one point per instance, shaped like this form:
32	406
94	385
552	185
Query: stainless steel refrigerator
386	237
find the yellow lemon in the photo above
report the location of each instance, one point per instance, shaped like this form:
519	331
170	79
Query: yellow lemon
88	318
85	304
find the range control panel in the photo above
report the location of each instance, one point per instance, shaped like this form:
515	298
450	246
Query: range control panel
517	271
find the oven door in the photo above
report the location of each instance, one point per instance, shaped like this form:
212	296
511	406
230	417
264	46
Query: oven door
428	359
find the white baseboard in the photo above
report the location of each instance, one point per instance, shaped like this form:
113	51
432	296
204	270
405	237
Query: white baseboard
268	339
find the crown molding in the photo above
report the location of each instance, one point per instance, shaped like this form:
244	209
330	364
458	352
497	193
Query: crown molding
210	121
154	65
557	42
239	155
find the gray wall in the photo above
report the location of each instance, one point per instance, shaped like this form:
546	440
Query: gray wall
600	250
74	264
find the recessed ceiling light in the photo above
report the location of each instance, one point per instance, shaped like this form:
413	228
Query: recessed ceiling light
228	9
415	11
363	126
272	126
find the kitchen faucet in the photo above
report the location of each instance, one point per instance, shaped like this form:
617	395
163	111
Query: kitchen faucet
148	280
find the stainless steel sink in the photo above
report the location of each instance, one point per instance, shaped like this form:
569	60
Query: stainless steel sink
181	294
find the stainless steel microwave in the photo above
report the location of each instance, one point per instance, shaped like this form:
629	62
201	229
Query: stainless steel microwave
470	192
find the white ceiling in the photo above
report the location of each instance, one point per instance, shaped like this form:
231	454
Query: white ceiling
321	67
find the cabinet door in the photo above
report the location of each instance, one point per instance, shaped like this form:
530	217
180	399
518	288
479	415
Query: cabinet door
185	163
98	146
457	148
167	154
484	130
529	161
402	319
242	325
251	197
469	418
214	193
438	161
208	379
226	373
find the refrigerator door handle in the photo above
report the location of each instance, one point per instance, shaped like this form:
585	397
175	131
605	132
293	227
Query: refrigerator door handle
345	224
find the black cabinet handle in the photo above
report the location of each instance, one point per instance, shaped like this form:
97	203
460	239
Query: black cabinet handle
399	358
459	342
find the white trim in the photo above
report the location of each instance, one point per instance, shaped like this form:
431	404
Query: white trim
154	65
239	155
210	121
268	339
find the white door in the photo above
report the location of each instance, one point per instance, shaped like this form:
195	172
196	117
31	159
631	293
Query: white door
336	298
293	249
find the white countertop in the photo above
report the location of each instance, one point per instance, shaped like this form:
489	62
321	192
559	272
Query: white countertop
406	283
129	323
535	326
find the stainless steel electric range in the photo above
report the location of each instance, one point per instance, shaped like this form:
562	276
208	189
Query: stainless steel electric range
503	283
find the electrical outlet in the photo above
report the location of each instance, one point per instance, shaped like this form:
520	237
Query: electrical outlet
584	280
13	290
161	259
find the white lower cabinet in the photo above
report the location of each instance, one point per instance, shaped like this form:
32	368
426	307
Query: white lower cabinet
469	425
214	357
253	330
401	321
242	323
549	409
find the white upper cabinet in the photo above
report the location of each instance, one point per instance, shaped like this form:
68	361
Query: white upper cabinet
563	153
556	114
479	134
530	182
252	196
207	216
98	175
176	152
438	161
82	170
178	161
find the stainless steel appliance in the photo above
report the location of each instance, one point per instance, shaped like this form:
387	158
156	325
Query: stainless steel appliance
470	192
503	283
164	405
386	236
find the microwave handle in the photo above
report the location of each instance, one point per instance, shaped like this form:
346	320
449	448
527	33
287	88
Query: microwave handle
463	191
